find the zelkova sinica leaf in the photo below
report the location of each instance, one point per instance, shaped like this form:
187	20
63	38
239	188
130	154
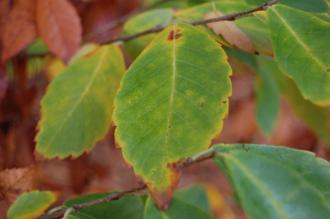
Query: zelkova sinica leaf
301	45
77	108
128	207
171	103
187	203
277	182
31	205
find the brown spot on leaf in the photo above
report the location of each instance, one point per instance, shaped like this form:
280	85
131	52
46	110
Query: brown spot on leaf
174	34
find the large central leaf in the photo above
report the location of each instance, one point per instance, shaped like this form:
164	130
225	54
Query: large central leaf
171	104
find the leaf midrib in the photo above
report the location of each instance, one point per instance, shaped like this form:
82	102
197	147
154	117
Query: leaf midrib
172	92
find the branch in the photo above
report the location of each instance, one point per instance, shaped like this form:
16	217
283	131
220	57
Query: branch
59	211
229	17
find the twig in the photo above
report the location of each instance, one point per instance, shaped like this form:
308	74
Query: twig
121	20
63	210
229	17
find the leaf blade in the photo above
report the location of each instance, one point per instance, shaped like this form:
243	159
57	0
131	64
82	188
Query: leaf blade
31	205
59	26
177	86
287	183
300	56
73	123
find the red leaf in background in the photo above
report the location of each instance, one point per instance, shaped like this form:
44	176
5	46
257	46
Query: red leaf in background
20	28
59	26
3	84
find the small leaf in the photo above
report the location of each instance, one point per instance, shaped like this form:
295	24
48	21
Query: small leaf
143	22
268	96
59	26
230	32
20	28
277	182
297	52
31	205
178	209
76	110
171	105
128	207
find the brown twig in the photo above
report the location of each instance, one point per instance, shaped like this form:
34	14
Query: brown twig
62	210
228	17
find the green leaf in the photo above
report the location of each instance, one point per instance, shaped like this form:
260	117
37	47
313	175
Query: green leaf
179	209
194	195
255	27
31	205
171	104
307	5
143	22
268	97
128	207
277	182
315	117
301	44
77	108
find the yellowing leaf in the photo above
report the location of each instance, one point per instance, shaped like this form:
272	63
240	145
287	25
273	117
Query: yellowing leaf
31	205
77	108
171	104
230	32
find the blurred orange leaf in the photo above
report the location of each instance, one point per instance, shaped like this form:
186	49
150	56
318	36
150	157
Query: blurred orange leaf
59	26
230	32
20	28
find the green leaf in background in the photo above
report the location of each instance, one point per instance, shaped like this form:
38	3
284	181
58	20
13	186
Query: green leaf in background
31	205
128	207
38	47
171	104
255	27
77	108
277	182
195	195
307	5
268	97
178	209
315	117
142	22
301	45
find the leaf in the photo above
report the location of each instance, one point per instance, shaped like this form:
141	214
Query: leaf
194	195
20	28
268	97
143	22
15	181
297	52
307	5
59	26
315	117
171	105
178	209
255	27
277	182
230	32
76	110
31	205
128	207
